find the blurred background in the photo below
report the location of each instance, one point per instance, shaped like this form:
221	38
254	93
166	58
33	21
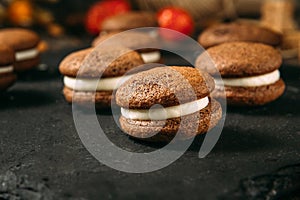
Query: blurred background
57	17
74	23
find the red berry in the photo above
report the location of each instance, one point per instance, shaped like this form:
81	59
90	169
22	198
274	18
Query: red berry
101	10
176	19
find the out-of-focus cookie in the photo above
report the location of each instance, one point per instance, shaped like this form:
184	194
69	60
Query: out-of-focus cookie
134	40
25	44
231	32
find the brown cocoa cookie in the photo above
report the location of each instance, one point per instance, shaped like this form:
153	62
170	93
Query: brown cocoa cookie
231	32
249	72
251	96
137	41
164	87
129	20
83	86
240	59
25	44
7	58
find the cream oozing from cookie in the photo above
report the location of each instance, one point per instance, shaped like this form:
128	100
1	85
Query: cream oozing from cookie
151	57
103	84
253	81
6	69
26	54
167	112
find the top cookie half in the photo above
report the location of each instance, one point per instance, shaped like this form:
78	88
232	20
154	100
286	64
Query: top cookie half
166	86
19	39
239	59
93	63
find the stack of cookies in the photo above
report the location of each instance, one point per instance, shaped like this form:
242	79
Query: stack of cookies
166	102
156	105
245	57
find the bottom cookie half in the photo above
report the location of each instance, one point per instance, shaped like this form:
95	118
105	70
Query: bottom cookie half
251	96
25	65
165	130
101	99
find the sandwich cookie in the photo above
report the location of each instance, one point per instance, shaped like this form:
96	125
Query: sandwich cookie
136	41
249	72
25	44
158	103
7	58
232	32
83	85
128	20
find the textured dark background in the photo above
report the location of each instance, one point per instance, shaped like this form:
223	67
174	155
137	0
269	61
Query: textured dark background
43	158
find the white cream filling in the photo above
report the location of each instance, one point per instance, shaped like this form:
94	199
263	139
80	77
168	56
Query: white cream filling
166	113
254	81
151	57
6	69
103	84
26	54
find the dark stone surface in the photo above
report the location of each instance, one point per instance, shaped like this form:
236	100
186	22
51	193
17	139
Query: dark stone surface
38	140
282	184
13	187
